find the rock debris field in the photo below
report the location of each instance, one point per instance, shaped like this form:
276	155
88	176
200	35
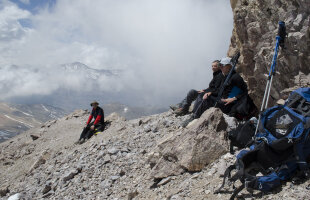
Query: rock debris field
146	158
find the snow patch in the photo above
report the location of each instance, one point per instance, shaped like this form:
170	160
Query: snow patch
27	114
11	118
44	108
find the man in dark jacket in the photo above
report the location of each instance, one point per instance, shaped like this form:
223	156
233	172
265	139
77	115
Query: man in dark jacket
233	96
193	95
95	126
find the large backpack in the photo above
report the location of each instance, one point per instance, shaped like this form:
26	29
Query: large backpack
242	135
280	148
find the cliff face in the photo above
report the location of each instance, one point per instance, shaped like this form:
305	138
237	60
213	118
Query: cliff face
254	33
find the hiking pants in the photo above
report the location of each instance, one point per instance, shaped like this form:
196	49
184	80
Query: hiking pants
190	97
87	132
210	102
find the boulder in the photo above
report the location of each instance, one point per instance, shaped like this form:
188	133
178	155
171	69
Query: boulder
192	149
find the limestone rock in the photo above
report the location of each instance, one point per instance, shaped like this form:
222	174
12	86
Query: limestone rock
77	114
254	35
195	148
16	196
114	117
68	176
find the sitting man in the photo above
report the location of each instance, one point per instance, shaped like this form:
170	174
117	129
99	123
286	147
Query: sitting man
234	99
183	107
92	127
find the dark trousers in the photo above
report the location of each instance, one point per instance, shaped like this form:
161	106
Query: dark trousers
210	102
191	96
87	132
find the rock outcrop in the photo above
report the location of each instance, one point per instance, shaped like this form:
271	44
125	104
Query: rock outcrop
254	33
191	149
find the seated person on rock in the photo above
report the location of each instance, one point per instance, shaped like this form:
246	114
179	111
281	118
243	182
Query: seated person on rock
183	107
92	127
234	98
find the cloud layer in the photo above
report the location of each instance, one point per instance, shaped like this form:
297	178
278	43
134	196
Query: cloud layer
163	47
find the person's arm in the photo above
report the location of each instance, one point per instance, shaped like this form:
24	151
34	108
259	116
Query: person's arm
89	119
237	81
99	116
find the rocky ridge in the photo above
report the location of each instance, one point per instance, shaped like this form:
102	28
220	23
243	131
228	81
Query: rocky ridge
254	33
121	163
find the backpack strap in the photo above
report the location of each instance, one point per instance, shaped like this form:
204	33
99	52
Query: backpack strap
226	174
236	191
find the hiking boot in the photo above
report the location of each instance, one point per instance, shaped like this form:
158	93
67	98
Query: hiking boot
176	106
186	122
81	141
180	112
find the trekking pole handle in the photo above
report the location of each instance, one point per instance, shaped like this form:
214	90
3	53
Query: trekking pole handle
282	33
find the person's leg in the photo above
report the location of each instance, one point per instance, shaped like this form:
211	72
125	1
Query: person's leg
99	128
203	106
89	133
84	132
190	97
226	108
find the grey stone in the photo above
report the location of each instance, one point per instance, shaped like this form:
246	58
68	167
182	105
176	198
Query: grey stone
132	195
164	181
205	142
106	183
113	151
68	176
114	178
46	188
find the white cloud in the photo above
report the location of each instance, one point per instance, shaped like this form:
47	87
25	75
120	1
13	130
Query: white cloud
10	27
165	47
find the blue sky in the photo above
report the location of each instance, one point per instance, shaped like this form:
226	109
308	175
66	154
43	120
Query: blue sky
34	6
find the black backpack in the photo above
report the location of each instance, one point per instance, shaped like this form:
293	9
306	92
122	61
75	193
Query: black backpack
241	135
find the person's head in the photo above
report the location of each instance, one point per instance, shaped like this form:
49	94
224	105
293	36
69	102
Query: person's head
215	65
94	104
225	65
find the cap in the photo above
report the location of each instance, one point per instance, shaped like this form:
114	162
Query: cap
94	102
225	61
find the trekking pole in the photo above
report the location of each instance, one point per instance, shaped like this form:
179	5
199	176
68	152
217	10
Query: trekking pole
234	61
279	42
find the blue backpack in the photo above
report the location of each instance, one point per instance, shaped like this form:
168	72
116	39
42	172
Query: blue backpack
280	148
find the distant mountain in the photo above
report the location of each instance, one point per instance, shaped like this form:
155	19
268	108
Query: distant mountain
88	72
17	118
69	86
